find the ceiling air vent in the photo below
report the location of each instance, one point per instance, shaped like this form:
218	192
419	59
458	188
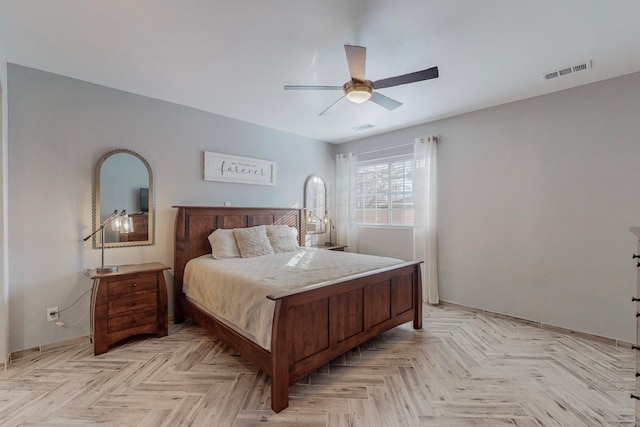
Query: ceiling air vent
363	127
567	70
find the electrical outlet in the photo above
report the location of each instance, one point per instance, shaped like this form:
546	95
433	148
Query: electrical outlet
52	314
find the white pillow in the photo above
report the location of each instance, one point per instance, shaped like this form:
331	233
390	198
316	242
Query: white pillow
282	238
223	244
253	241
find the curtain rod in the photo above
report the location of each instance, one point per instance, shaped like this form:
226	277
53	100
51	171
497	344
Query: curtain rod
386	148
436	137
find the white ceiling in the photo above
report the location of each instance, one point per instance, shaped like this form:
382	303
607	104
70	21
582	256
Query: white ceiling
233	57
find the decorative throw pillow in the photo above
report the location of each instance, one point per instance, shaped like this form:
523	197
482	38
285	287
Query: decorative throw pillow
253	241
223	244
282	238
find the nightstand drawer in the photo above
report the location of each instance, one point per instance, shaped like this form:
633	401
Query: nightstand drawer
133	301
141	283
133	320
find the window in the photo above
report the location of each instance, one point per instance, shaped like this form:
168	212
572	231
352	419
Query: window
384	191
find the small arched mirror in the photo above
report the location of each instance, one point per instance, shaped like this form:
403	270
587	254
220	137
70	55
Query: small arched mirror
315	202
124	182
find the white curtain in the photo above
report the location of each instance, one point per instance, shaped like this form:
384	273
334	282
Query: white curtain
346	231
424	230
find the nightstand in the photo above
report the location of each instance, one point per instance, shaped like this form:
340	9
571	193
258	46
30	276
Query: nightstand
130	301
340	248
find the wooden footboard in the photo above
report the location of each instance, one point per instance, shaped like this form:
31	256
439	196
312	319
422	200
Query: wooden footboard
311	326
314	326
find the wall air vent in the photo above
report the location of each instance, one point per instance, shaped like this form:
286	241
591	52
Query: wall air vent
567	70
363	127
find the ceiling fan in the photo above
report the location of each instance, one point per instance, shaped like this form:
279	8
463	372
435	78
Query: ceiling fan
360	90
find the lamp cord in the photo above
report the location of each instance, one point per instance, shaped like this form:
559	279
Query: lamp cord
75	302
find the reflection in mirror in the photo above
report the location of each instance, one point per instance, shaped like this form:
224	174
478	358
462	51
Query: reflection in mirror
315	201
124	181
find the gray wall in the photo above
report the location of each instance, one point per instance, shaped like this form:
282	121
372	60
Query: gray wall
4	278
58	129
535	203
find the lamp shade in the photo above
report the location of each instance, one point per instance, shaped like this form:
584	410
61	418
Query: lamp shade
122	223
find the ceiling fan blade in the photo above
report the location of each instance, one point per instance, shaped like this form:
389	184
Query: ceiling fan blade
294	87
356	57
327	109
385	101
429	73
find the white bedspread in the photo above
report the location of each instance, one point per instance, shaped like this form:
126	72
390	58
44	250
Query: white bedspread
236	289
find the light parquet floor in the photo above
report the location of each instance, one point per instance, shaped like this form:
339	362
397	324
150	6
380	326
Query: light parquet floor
461	369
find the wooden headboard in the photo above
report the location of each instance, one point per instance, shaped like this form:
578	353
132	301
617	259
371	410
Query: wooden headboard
195	223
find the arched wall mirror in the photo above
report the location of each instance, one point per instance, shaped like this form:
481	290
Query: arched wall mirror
315	202
124	182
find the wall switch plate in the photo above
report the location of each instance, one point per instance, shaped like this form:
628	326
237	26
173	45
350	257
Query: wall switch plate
52	314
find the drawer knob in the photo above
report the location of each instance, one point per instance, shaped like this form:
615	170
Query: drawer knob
635	256
635	299
633	396
135	285
635	347
134	302
637	374
133	320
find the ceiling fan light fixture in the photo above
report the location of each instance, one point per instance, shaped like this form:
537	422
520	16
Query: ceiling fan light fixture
358	92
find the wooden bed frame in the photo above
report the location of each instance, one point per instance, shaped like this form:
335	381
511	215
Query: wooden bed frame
311	326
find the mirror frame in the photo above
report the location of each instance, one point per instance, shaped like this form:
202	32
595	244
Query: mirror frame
96	203
307	185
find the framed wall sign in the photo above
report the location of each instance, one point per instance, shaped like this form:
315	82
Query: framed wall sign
242	170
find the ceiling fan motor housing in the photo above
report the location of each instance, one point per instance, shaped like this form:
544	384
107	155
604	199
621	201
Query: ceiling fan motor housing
358	91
